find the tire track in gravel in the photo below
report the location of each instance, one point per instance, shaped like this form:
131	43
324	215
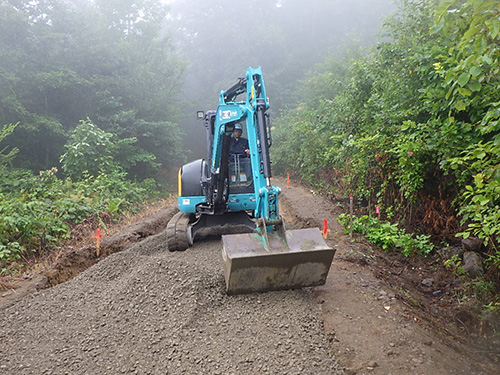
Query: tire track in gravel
148	311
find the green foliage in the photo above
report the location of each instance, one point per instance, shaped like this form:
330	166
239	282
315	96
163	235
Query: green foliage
416	121
37	211
455	265
481	198
92	151
470	72
88	151
142	146
305	137
492	307
5	155
63	61
494	260
388	236
37	215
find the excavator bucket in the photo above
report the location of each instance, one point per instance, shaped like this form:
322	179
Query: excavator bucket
256	262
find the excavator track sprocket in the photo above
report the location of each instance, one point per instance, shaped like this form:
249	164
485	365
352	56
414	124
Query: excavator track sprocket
179	236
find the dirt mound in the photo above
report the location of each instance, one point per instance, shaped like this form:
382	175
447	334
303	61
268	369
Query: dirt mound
70	262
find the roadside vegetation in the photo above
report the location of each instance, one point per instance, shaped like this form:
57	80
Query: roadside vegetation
87	117
39	210
413	127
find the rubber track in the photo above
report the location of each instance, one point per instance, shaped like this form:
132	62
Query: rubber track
177	232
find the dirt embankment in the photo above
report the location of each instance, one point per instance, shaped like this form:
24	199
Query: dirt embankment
148	311
378	313
71	261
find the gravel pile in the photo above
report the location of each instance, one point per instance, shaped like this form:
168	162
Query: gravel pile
148	311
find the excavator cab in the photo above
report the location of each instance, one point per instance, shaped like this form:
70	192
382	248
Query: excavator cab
235	192
240	166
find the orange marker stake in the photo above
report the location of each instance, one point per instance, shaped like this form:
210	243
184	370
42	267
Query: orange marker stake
98	237
325	228
288	180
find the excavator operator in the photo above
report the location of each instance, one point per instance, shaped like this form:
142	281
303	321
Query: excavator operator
239	145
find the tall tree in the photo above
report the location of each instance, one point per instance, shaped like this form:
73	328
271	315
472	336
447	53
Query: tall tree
106	60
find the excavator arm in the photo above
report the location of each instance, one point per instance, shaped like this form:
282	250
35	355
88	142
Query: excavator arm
253	111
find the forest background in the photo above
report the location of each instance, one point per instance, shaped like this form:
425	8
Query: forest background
97	103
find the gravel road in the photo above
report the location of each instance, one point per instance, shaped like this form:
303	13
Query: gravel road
148	311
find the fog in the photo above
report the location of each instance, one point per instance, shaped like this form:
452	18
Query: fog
220	39
136	68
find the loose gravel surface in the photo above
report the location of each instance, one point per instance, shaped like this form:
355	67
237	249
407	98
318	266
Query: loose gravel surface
148	311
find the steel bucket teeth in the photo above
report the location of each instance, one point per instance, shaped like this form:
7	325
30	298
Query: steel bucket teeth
257	263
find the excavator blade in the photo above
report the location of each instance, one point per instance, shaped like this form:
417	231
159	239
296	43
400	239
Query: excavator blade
279	260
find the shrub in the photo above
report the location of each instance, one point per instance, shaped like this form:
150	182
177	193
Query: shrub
388	236
36	212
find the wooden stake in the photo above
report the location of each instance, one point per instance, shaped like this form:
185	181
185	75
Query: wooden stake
325	228
351	213
98	237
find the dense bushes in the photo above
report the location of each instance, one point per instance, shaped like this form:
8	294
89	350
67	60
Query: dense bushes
415	126
37	210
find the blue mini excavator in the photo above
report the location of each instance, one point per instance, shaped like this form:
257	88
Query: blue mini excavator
234	192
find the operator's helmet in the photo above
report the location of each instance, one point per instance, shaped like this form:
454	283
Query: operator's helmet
237	126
